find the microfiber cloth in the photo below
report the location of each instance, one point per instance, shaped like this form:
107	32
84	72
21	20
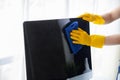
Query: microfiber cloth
74	48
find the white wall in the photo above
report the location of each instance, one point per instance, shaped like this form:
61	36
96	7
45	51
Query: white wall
46	9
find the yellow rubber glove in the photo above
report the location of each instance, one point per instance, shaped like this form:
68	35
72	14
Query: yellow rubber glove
96	19
82	37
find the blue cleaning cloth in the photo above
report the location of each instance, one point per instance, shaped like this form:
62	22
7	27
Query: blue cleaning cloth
73	47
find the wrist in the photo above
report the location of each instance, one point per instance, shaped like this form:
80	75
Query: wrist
97	41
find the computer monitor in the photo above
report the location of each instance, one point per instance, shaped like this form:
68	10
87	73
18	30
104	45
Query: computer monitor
48	53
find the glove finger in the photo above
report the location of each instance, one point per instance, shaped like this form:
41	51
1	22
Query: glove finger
74	38
85	15
87	19
76	42
79	30
78	33
75	32
82	31
75	35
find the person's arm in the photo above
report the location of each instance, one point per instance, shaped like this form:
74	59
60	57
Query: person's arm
112	16
82	37
112	40
102	19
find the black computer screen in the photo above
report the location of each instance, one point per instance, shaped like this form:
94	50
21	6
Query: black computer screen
48	52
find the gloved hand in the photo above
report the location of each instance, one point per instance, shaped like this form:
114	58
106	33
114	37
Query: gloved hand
96	19
81	37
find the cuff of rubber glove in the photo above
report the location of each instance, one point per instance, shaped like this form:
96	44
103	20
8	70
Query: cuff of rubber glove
97	41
